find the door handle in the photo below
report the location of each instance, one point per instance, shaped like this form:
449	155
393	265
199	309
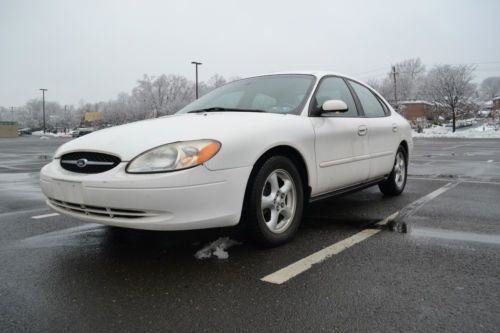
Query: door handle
362	130
394	127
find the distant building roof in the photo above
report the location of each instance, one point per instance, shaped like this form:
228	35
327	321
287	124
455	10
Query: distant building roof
415	102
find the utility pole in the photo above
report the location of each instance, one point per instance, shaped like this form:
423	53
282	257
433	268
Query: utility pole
196	64
43	106
12	112
394	73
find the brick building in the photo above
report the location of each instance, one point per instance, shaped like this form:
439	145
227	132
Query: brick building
8	129
496	104
417	110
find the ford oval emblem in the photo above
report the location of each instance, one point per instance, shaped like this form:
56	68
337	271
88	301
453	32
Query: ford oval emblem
81	163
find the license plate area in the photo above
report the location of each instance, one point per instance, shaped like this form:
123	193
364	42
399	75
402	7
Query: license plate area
67	191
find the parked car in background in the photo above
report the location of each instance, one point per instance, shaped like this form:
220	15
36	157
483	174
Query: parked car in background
81	132
24	131
254	152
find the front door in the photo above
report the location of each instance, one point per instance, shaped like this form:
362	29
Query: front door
342	156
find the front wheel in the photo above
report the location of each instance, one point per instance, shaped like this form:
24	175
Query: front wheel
395	184
274	202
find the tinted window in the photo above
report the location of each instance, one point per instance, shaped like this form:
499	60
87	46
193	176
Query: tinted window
386	109
282	93
369	102
335	88
263	102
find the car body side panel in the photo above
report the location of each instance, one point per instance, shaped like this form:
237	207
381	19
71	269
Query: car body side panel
342	154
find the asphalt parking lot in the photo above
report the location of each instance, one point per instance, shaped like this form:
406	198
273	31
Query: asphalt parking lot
443	274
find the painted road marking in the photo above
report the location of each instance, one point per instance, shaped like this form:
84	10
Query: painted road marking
44	216
489	161
447	180
302	265
415	205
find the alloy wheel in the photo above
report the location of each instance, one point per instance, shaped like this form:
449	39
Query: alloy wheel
278	201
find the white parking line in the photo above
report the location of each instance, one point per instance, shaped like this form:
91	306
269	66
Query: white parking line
461	180
302	265
44	216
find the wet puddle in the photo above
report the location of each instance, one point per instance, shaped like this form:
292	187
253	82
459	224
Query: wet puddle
455	235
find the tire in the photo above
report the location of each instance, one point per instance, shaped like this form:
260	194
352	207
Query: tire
395	184
274	202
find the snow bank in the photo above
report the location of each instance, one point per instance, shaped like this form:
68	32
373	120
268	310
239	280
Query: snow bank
480	132
47	134
216	248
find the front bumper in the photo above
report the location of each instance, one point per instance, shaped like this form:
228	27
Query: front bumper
195	198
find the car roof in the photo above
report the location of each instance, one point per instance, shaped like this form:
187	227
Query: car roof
317	73
309	72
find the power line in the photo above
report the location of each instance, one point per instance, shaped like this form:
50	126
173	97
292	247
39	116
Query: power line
480	63
371	71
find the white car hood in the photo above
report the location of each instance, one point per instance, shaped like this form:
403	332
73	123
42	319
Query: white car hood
128	141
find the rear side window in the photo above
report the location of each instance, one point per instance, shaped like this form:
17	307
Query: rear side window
386	109
335	88
370	103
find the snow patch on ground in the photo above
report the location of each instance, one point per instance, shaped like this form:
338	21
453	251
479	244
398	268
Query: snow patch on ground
46	135
480	132
216	248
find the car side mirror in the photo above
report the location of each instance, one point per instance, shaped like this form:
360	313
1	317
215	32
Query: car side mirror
334	105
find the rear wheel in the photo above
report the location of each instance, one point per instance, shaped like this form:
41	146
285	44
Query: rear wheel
274	202
395	184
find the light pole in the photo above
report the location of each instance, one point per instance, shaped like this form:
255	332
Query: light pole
43	107
196	64
12	112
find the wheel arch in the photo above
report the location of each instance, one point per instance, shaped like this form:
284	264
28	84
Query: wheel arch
404	144
295	156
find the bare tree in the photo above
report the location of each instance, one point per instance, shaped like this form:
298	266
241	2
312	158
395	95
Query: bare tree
383	86
409	80
216	81
164	94
450	85
152	97
490	87
411	73
151	91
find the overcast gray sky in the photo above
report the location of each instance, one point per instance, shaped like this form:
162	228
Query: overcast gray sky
92	50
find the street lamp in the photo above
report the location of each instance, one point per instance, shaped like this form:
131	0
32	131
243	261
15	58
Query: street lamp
43	106
196	64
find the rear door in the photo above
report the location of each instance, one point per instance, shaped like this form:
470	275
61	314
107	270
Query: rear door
341	144
382	131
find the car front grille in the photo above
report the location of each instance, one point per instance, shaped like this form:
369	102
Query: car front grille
100	211
88	162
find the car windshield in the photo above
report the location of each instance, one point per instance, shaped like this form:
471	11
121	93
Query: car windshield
272	93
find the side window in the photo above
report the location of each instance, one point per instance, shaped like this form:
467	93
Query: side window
370	103
335	88
386	109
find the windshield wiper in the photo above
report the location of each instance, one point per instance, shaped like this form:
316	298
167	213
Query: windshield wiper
221	109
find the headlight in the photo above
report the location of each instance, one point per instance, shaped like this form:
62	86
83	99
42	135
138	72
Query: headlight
174	156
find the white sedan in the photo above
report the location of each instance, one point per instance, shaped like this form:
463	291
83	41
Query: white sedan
254	152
